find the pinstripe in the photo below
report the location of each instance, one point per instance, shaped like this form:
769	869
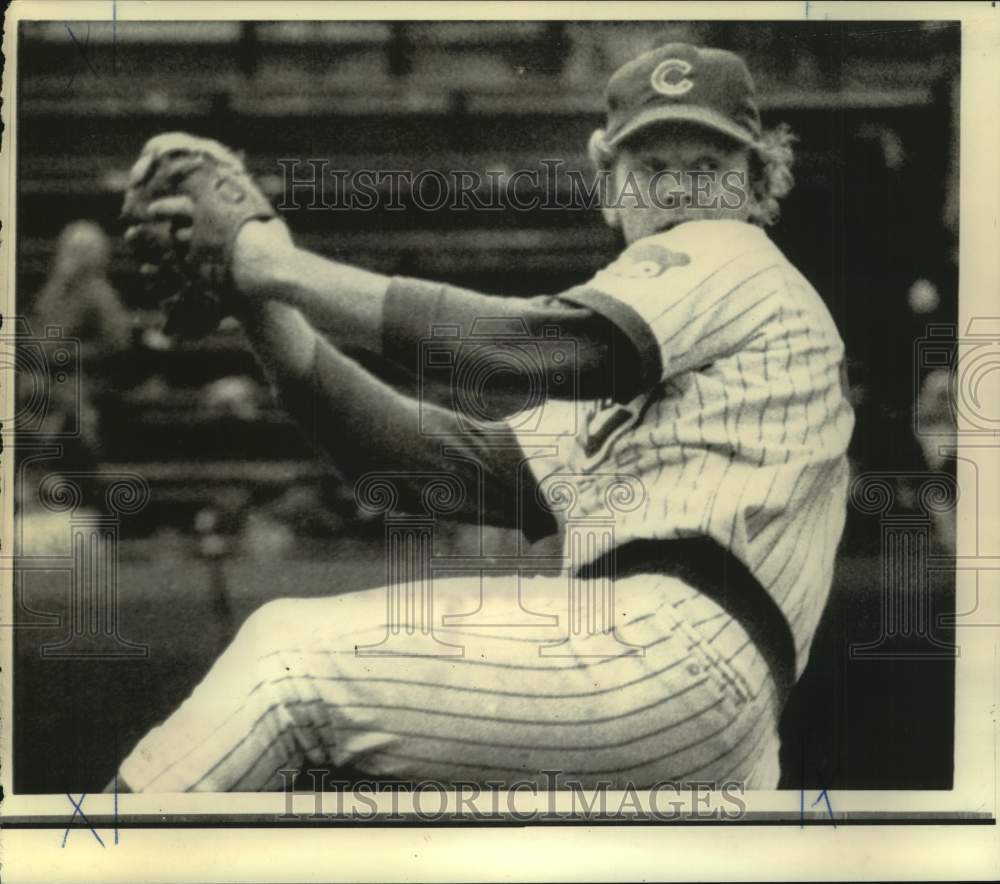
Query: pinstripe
791	495
562	747
764	409
499	719
559	748
694	292
820	476
717	666
784	422
796	591
811	513
666	342
437	736
734	319
807	527
762	734
443	735
451	713
441	686
749	476
738	651
701	409
540	664
721	630
710	503
700	741
754	725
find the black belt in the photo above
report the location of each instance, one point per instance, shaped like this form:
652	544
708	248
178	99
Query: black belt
715	572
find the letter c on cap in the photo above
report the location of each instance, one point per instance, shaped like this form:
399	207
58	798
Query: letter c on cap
670	77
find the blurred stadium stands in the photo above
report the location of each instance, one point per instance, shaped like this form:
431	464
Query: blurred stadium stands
870	103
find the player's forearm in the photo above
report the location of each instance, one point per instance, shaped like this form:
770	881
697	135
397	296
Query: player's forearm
345	302
285	343
325	391
362	424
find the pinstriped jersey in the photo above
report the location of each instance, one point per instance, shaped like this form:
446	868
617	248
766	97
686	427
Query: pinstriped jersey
744	435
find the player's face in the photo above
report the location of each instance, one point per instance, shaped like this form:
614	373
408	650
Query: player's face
666	175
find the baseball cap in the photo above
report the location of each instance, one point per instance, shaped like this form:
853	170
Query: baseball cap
683	83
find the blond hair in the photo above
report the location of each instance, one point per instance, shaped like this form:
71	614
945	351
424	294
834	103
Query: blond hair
771	178
770	160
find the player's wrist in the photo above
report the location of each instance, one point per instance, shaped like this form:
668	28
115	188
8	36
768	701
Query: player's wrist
262	254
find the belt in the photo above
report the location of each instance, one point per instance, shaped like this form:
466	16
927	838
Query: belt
715	572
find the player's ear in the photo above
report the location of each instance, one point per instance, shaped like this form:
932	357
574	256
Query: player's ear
601	155
603	158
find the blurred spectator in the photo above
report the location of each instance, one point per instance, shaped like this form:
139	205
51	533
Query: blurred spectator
41	530
937	431
934	405
79	300
237	396
301	512
934	402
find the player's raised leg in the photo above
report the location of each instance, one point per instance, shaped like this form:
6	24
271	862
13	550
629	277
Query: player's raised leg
292	692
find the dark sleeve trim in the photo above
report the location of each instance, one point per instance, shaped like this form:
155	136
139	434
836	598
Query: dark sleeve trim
615	353
629	322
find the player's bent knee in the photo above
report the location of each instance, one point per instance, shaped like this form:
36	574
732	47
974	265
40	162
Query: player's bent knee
263	640
270	623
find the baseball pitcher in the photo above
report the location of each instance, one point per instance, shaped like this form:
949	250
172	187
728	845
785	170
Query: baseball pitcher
706	372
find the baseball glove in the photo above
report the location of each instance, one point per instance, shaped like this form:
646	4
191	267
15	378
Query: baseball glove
186	200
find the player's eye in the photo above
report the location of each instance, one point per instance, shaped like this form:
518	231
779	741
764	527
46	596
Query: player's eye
705	164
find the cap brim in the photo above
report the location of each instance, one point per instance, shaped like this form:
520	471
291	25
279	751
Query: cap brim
683	114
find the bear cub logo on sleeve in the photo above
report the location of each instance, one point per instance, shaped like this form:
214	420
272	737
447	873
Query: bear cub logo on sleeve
647	261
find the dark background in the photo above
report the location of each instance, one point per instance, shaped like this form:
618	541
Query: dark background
241	512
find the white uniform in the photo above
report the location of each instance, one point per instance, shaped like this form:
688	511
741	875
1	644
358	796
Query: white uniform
745	437
742	437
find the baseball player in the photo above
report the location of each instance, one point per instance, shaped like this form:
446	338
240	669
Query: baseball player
708	372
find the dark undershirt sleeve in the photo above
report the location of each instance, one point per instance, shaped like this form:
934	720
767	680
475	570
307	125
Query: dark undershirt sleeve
609	351
363	425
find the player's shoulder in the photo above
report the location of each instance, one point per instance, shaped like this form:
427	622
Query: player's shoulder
718	242
700	248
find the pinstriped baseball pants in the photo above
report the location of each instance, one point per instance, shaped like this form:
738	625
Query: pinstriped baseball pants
680	694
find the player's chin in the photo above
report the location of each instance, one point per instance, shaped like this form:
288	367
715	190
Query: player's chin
667	220
651	223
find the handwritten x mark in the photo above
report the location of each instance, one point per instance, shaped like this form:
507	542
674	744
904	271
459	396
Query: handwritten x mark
82	48
78	809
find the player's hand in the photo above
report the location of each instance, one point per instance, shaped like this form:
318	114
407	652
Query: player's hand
259	251
187	200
